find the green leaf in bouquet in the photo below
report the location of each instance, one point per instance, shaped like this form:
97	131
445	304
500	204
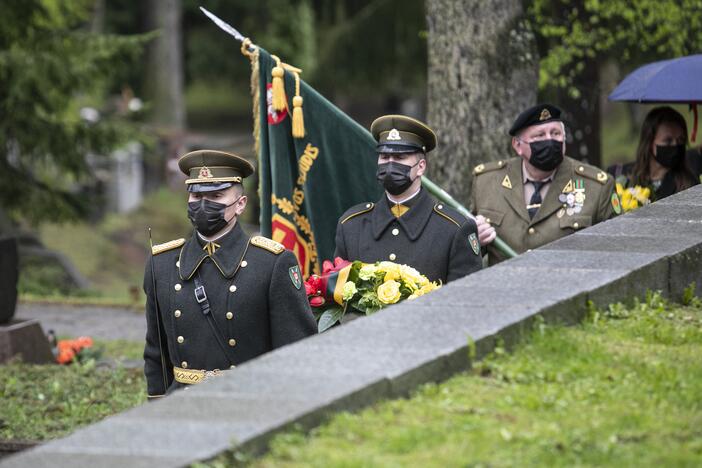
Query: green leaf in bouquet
353	272
329	318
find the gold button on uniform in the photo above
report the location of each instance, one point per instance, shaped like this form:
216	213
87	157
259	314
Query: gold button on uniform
232	288
581	168
392	256
180	339
229	316
576	225
232	342
441	207
176	313
184	364
244	263
395	232
177	287
178	264
532	230
487	220
231	367
368	205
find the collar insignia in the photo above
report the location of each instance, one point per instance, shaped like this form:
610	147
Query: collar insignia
506	182
569	187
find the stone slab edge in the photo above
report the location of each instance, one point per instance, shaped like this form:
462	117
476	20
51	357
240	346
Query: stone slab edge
669	272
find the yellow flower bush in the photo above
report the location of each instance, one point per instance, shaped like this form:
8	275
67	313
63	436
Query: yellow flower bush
389	292
633	197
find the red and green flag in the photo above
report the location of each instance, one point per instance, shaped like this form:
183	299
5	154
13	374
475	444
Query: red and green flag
308	176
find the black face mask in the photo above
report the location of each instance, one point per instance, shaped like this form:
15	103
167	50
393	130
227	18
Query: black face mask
394	177
670	156
546	155
208	216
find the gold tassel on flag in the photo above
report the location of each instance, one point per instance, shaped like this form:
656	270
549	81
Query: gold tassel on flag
298	120
278	87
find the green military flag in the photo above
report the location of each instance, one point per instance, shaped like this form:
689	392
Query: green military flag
306	182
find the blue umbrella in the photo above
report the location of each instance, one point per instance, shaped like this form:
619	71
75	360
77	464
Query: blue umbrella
672	81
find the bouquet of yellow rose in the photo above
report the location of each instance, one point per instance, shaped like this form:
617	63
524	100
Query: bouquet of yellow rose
366	287
633	197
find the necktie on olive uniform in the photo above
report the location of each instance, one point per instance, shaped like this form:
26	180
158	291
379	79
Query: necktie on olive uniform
535	202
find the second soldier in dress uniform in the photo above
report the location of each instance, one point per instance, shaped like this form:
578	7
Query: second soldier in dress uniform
540	195
220	297
407	225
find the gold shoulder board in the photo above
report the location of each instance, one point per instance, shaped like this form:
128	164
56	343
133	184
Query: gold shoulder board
366	208
592	172
487	167
268	244
170	245
438	208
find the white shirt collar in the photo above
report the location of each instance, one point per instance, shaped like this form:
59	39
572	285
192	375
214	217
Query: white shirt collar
404	199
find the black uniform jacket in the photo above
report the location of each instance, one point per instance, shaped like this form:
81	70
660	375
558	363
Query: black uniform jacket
429	237
257	300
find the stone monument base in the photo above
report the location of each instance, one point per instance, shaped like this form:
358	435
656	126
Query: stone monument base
26	339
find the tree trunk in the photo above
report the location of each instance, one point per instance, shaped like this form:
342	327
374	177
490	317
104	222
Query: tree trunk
582	115
164	84
165	65
483	71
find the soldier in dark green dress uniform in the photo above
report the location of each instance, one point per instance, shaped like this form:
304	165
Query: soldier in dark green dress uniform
407	225
540	195
220	297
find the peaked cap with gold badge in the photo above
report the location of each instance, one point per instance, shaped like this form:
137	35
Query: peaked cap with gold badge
537	115
402	134
211	170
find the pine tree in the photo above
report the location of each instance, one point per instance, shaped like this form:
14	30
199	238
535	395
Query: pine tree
50	62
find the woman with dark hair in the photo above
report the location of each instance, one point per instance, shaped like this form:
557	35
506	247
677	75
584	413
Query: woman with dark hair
660	157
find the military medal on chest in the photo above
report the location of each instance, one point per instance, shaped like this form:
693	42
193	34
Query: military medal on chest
573	197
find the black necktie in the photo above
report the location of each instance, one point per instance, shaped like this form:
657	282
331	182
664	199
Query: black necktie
535	202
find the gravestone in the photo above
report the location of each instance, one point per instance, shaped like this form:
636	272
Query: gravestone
9	261
23	338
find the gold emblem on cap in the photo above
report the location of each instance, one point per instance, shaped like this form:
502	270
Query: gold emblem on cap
394	135
506	182
205	173
545	114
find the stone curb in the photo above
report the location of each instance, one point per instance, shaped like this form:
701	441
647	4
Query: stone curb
389	354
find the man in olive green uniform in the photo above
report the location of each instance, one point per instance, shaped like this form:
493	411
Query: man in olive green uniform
219	298
407	225
540	195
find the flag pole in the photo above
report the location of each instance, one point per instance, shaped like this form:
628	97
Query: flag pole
443	196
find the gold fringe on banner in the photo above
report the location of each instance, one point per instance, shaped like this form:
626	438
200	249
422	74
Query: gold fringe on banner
298	120
255	89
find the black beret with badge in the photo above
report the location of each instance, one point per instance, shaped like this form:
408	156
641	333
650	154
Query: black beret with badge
537	115
402	134
211	170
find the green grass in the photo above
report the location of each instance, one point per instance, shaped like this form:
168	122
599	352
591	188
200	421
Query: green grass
41	402
110	255
622	389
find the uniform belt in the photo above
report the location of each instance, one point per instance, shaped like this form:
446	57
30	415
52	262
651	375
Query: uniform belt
194	376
